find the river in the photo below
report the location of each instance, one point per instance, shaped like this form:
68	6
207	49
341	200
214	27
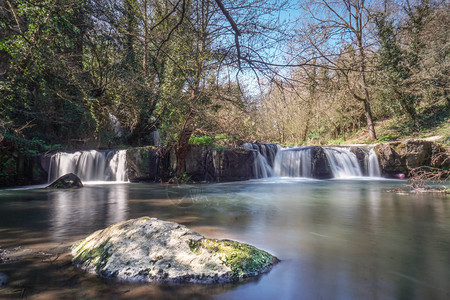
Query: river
337	239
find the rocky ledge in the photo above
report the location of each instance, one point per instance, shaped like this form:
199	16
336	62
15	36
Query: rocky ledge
148	249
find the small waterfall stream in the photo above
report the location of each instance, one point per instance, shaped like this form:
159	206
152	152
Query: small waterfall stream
373	167
90	165
343	162
293	162
265	158
273	160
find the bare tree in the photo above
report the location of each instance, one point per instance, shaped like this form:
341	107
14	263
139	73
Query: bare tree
332	28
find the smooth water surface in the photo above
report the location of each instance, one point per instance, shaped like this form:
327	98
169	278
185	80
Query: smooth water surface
337	239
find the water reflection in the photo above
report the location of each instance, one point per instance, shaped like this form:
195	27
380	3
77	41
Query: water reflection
78	211
337	239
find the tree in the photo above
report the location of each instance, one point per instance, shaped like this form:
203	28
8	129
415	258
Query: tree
335	27
395	73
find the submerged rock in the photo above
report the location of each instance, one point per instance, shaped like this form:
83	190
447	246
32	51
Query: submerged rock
68	181
3	279
148	249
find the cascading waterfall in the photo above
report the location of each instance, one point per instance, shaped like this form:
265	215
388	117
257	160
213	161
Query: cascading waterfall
90	165
272	160
343	163
293	162
264	160
373	167
117	170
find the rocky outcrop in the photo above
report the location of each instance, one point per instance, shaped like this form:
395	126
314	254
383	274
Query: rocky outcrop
201	164
231	164
68	181
18	169
142	163
148	249
402	157
197	164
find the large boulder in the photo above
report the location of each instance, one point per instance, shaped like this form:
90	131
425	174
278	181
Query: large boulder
68	181
148	249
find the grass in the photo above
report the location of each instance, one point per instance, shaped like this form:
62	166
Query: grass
431	121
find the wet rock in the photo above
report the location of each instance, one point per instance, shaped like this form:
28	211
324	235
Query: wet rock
361	154
196	163
231	164
68	181
320	165
3	279
402	157
148	249
203	163
142	163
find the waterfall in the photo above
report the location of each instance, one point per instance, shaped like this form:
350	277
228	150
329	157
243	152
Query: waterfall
117	170
156	138
293	162
343	163
90	165
313	161
373	167
264	158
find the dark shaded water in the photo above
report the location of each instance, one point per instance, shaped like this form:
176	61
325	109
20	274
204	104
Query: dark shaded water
336	239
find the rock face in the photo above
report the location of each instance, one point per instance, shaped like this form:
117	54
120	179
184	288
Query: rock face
361	155
148	249
402	157
68	181
17	169
231	164
320	165
201	164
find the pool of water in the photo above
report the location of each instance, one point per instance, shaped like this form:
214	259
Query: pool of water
337	239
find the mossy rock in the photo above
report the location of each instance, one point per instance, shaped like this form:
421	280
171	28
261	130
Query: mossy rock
148	249
243	259
68	181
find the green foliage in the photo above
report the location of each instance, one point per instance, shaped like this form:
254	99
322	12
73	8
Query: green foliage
204	140
221	136
185	178
219	148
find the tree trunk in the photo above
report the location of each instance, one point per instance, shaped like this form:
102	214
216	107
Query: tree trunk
182	148
367	108
370	124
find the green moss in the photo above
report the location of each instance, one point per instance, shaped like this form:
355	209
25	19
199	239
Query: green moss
243	259
97	257
194	246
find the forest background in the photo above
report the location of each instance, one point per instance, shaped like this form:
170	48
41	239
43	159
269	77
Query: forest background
211	72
